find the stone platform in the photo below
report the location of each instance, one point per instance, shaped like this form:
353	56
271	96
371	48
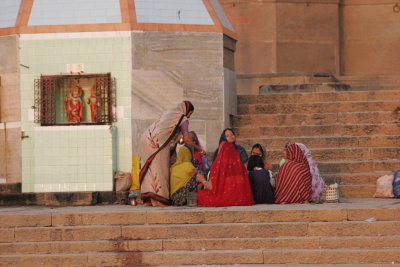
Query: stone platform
355	232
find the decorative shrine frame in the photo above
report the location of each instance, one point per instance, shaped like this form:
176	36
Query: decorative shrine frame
75	99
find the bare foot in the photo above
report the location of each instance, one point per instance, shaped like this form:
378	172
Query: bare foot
156	203
147	204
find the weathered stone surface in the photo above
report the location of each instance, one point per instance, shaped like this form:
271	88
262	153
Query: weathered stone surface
7	235
8	54
13	155
353	228
24	220
171	217
357	190
98	218
9	187
10	99
320	97
214	257
67	233
172	66
242	243
320	130
63	247
166	85
275	216
214	230
387	214
360	242
291	108
44	260
330	256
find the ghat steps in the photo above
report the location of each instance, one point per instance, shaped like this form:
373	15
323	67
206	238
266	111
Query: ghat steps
353	135
328	234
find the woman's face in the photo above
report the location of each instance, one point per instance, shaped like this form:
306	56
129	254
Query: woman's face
256	151
230	137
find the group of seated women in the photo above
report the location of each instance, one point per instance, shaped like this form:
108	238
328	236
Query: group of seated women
235	179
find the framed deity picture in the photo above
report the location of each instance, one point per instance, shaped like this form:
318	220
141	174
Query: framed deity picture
74	99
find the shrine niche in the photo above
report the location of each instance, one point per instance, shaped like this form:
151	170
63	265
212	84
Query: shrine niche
74	99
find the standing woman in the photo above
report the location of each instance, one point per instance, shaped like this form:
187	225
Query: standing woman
154	148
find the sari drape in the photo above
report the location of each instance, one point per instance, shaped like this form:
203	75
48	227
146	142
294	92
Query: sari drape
154	153
293	180
181	171
230	181
317	183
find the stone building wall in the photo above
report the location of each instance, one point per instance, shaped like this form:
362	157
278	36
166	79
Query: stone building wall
10	122
371	37
168	67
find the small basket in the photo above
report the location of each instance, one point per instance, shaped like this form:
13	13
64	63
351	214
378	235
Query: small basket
331	194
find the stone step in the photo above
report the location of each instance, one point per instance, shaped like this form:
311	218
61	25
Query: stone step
319	107
63	198
351	96
342	118
354	178
345	153
174	258
10	188
196	231
336	167
318	130
357	191
271	143
324	242
12	219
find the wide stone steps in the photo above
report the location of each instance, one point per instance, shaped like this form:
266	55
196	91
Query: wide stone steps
277	142
318	107
349	153
200	244
214	257
318	130
320	235
342	118
316	97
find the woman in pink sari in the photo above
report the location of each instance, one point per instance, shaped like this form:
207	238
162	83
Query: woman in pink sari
155	145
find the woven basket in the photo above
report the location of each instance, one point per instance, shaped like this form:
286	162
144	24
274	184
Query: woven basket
331	194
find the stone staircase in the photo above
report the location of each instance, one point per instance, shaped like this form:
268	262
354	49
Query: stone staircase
340	234
354	135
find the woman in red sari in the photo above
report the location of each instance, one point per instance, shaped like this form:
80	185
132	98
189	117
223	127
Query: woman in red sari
293	180
229	178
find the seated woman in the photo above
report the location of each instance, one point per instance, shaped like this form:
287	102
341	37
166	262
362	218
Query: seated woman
260	181
317	183
257	149
229	178
229	136
184	177
293	180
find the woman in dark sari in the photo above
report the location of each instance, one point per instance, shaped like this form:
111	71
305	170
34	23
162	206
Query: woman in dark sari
260	181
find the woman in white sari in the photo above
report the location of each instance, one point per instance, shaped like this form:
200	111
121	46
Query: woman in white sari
155	146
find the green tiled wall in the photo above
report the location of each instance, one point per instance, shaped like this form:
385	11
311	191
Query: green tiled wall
75	158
